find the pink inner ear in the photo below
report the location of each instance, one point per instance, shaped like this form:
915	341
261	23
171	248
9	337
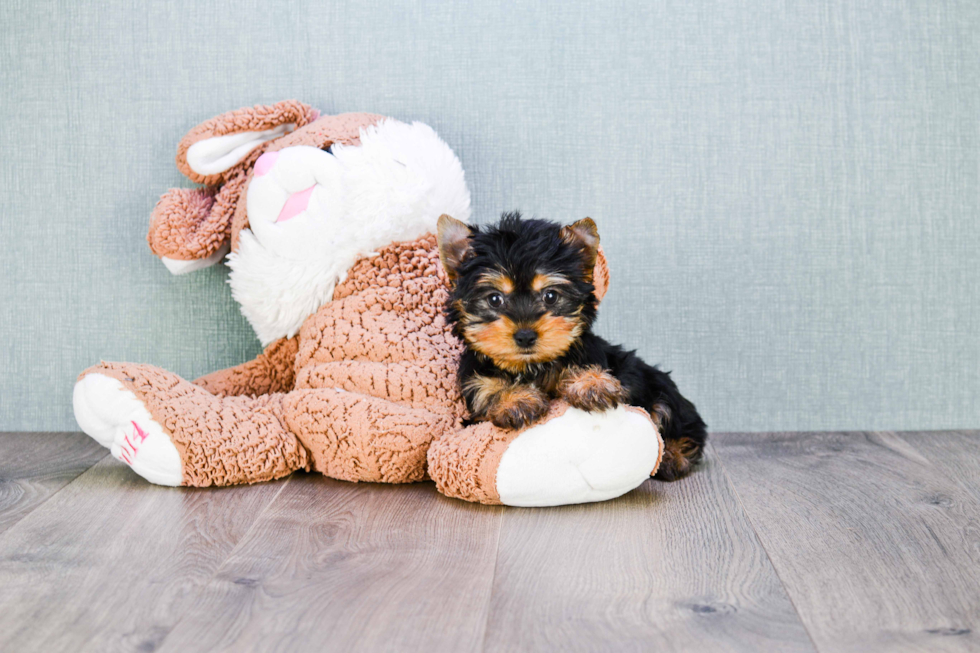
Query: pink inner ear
265	163
296	204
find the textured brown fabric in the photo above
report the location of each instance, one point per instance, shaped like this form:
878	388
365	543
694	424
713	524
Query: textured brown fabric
355	437
191	224
660	440
239	218
344	129
383	342
274	370
180	225
221	441
384	334
248	119
464	464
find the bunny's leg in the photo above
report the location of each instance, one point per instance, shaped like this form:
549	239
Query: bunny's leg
571	456
357	437
271	371
173	432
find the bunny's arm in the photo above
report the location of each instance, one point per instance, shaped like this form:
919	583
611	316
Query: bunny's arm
271	371
190	228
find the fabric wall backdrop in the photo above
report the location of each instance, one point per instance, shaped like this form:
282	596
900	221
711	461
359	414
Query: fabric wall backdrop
787	191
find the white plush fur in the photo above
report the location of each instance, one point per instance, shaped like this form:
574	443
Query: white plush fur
579	457
392	187
110	413
177	267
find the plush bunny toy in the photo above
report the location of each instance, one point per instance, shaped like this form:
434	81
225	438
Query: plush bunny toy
329	222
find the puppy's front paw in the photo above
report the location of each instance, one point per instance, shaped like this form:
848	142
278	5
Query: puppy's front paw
591	389
518	407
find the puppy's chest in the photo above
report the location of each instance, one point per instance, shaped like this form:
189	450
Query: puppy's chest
543	377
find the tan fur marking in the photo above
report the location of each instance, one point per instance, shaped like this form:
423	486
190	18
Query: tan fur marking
496	340
486	389
556	334
461	309
518	406
507	404
678	455
660	415
591	388
498	280
542	281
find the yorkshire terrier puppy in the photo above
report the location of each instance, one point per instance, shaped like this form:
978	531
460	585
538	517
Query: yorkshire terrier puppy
523	304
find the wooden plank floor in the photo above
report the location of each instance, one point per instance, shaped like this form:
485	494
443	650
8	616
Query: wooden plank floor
779	542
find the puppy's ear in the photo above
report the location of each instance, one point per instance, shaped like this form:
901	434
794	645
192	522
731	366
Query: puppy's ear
583	236
453	237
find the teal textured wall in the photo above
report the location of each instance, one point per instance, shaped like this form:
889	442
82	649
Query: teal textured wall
788	192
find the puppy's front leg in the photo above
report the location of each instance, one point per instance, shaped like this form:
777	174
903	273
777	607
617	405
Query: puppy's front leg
507	404
591	388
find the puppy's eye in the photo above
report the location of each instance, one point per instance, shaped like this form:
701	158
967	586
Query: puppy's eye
550	296
496	300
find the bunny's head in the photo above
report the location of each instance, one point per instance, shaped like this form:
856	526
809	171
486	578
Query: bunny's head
297	199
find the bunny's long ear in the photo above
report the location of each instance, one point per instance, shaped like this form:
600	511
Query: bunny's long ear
219	148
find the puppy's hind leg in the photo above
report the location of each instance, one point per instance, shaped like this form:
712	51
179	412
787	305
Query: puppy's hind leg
683	430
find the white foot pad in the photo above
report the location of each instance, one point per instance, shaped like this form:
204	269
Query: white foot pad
578	458
114	417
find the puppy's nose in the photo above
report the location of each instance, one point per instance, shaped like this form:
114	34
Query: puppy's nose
525	337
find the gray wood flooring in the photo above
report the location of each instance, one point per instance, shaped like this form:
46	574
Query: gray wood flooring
779	542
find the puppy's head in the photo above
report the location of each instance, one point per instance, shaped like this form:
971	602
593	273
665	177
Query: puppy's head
522	289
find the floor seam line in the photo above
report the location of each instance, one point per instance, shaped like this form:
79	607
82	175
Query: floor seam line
52	495
493	580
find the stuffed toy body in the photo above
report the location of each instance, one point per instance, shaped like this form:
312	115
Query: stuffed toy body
329	224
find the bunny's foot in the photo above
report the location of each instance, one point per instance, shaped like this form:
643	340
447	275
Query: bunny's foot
173	432
572	456
112	415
